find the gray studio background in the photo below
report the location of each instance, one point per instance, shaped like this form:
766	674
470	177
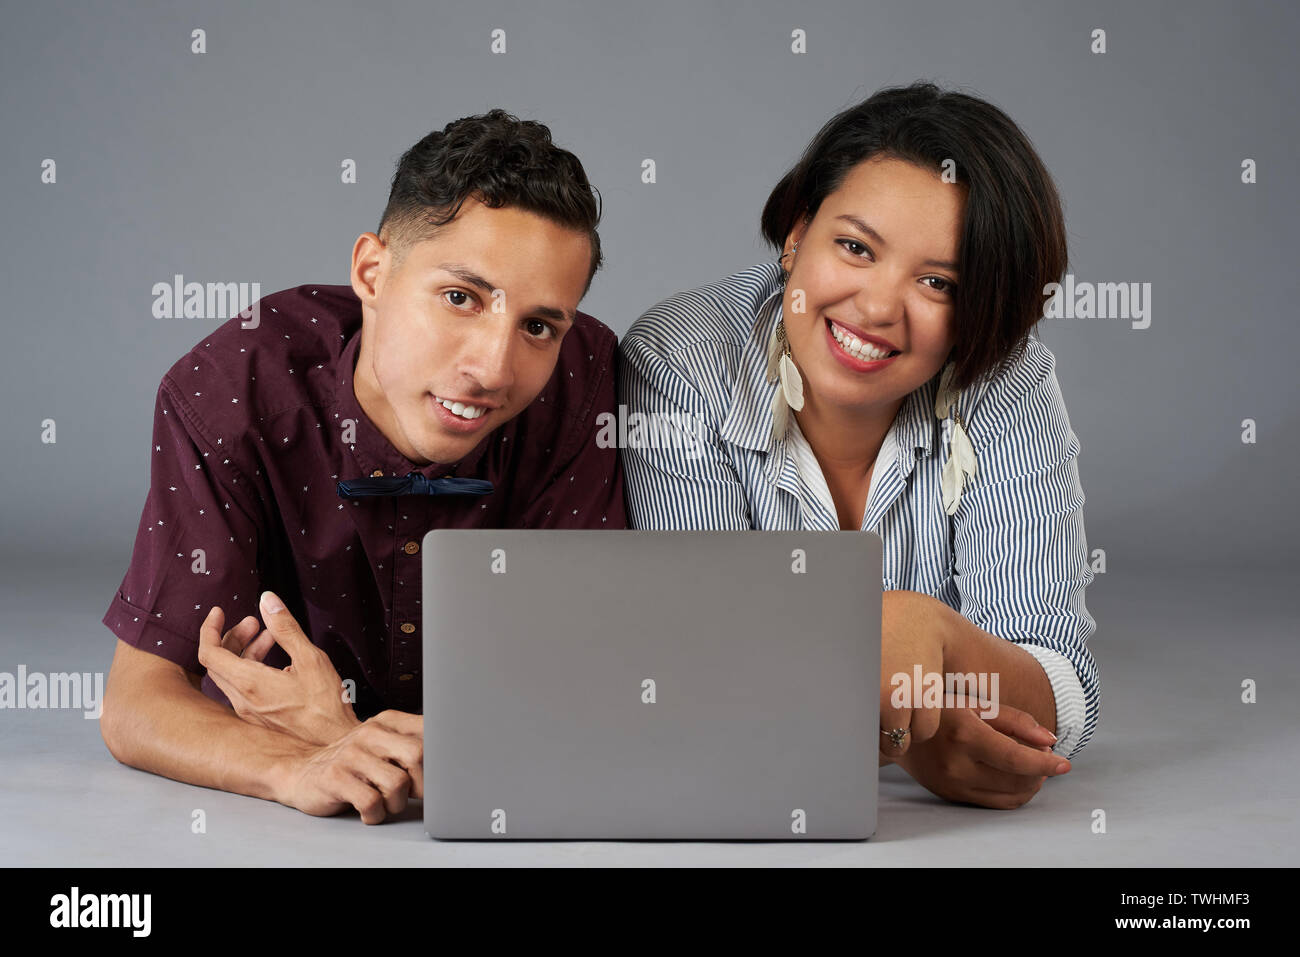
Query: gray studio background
226	167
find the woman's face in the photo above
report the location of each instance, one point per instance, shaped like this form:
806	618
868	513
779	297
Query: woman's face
878	265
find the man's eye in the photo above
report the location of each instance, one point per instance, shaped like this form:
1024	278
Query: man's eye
546	327
464	296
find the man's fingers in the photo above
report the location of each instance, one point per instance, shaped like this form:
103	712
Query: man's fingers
401	722
225	667
257	649
388	779
236	639
233	694
210	630
409	729
358	792
403	750
283	626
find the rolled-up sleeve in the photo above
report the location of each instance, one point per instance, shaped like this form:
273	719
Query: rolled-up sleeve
678	473
1020	552
197	541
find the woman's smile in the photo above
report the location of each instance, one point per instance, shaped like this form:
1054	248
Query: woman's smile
854	353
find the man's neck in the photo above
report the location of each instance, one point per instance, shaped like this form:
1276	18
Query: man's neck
374	404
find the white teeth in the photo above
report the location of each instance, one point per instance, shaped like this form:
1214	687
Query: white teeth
855	346
460	409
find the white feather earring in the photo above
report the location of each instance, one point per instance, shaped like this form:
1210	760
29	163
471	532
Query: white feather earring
780	365
961	454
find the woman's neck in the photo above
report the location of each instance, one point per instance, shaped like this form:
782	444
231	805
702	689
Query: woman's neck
845	445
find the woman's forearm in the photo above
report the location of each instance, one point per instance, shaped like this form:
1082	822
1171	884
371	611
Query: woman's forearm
1022	682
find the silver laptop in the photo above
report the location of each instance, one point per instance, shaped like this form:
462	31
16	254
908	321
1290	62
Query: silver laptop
641	685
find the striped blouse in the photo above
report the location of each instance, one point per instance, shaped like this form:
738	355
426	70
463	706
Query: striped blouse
1013	557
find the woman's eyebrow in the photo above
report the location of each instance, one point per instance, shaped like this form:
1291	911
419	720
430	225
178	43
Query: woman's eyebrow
862	227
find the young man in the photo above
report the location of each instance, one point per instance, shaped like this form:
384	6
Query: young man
298	460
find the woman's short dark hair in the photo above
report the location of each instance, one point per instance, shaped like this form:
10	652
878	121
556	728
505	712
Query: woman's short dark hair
498	159
1013	238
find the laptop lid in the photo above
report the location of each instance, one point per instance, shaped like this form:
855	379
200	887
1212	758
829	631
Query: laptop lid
651	684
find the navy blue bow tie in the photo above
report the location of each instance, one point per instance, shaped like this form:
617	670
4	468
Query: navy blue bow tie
413	483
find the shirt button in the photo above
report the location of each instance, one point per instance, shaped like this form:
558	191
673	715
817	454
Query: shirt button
411	548
406	677
408	628
377	473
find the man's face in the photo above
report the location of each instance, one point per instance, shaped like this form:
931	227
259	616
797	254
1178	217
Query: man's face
896	286
474	315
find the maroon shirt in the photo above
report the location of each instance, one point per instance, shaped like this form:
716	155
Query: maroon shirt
248	443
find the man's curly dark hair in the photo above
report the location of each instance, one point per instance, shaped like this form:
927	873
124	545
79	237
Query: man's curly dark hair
498	159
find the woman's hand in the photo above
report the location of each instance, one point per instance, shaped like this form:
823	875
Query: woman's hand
999	762
952	750
910	635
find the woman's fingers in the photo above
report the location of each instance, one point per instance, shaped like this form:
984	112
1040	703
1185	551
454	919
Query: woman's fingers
997	750
1021	724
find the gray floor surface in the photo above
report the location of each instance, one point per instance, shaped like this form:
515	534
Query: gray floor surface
1186	773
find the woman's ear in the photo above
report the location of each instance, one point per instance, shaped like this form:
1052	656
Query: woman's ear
802	229
795	236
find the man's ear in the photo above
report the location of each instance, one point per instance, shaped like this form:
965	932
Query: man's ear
370	259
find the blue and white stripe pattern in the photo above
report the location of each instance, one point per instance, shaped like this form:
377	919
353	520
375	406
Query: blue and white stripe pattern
1012	560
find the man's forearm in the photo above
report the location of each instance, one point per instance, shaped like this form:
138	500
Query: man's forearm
165	725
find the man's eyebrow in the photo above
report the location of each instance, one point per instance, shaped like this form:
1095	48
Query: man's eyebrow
866	230
469	276
550	312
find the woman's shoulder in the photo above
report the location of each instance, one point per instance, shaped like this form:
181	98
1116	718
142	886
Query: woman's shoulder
722	312
1024	392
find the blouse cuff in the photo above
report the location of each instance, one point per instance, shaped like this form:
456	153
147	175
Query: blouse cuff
1069	697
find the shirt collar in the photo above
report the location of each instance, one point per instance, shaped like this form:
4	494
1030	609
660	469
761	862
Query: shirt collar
748	422
372	452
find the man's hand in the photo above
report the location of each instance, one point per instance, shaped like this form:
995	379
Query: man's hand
376	767
304	700
998	762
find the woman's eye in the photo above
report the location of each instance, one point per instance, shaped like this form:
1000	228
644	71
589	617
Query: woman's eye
846	243
944	285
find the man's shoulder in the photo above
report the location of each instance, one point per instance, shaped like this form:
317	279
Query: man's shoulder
583	376
587	332
280	355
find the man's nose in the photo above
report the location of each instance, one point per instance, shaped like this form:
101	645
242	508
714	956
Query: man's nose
490	361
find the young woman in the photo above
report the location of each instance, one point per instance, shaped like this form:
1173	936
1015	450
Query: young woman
882	375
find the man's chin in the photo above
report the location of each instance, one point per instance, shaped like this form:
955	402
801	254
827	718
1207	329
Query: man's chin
438	446
444	452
